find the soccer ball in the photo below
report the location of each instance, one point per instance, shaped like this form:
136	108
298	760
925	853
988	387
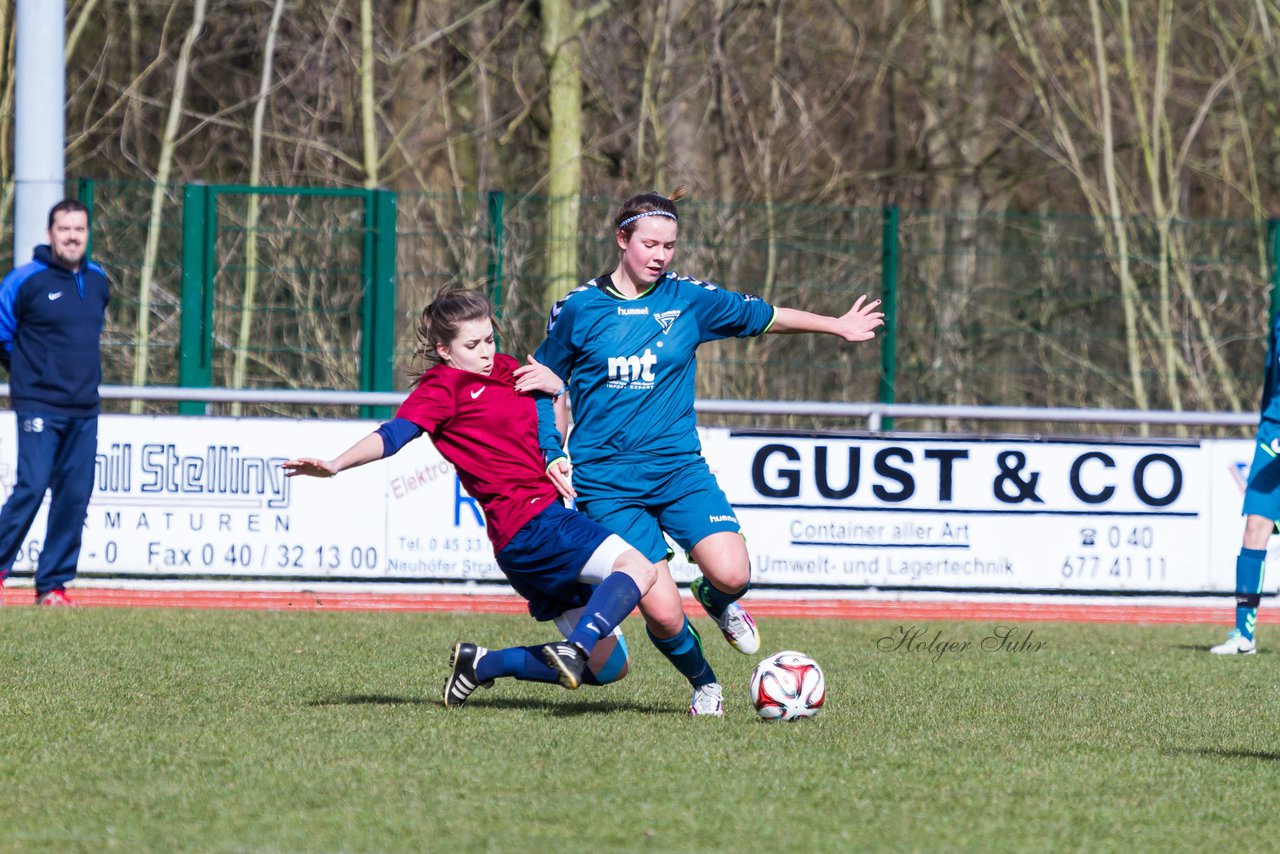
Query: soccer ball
788	686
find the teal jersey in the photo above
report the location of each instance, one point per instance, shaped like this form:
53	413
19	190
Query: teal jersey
1270	408
630	364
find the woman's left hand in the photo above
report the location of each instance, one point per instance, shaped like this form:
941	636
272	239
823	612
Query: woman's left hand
860	322
536	376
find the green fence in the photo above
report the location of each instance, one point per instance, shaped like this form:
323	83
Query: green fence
289	288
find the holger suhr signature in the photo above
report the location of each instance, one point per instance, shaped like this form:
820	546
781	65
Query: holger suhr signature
919	640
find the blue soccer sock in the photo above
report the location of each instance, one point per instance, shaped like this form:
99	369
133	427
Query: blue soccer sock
1250	567
685	652
613	599
523	662
712	598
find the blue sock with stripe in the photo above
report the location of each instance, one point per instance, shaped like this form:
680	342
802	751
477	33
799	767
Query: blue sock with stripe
1250	567
685	652
613	599
522	662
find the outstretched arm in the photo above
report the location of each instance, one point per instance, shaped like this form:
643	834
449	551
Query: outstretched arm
857	324
367	450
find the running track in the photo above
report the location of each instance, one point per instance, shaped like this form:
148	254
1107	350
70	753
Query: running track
844	609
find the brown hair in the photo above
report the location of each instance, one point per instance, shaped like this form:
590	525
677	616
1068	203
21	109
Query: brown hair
652	202
444	315
67	206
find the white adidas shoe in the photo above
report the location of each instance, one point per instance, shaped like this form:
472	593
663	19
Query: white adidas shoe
735	623
708	700
1235	644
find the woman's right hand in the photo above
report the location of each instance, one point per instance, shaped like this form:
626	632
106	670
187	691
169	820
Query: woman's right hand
309	466
561	474
536	376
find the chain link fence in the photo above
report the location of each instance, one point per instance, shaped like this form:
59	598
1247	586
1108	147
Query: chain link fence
985	308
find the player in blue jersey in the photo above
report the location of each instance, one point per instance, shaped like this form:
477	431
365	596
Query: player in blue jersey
570	569
1261	510
626	344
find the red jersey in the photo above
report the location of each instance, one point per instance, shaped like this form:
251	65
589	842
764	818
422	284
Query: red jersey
490	434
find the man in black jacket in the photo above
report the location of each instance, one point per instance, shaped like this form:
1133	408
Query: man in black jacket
51	315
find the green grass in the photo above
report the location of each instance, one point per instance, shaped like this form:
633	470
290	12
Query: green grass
228	731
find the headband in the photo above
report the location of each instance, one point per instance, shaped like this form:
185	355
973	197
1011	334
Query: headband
626	222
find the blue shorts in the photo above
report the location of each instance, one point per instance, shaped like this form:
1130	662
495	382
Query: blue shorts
545	558
1262	494
678	495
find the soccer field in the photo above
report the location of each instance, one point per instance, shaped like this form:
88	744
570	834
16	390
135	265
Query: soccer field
163	730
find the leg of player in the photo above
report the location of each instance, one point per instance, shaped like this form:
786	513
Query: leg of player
676	638
627	577
726	575
1250	567
472	666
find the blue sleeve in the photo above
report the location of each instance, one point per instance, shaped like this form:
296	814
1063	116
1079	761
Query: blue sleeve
1270	377
9	289
549	439
397	433
725	314
558	358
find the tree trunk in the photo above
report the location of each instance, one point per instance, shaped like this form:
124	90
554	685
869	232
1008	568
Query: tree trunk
562	52
251	231
368	106
156	218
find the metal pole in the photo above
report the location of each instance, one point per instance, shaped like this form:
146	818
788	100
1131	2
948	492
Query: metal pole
84	192
493	270
195	357
384	297
1273	246
39	100
889	305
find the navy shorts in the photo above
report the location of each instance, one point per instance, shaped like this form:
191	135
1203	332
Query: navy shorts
544	560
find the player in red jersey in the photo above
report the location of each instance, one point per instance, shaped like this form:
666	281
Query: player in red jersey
482	419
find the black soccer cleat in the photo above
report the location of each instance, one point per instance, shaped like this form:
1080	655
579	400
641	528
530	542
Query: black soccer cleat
462	678
569	660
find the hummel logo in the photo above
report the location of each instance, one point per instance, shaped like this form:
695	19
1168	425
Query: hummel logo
55	295
477	392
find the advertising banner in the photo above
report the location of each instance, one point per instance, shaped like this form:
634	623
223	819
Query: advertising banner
205	497
996	514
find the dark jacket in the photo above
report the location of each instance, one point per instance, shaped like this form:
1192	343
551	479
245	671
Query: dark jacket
50	326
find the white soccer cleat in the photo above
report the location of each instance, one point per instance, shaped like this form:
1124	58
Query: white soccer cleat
739	629
1235	644
735	623
708	700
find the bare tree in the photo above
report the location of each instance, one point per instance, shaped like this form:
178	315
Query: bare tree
164	167
562	31
254	205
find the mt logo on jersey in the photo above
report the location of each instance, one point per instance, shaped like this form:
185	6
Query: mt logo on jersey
632	371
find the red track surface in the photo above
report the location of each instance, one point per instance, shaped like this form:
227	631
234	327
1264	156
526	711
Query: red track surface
760	607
